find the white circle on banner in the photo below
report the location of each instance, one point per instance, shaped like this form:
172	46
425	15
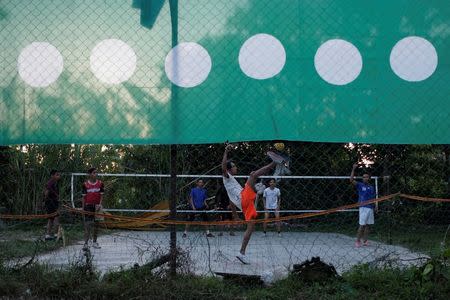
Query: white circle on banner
413	59
338	62
113	61
40	64
187	64
262	56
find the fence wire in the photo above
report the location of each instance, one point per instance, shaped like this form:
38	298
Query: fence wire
210	71
318	210
324	84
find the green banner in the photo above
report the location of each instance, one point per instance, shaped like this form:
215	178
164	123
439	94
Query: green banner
307	70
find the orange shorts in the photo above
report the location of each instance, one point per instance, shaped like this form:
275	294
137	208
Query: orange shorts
248	197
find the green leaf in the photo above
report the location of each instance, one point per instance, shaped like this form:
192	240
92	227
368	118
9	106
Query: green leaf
428	269
446	253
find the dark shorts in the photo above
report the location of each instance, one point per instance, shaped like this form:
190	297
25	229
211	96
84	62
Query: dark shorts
89	217
51	206
203	216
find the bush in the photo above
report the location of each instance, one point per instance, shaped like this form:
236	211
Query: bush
362	282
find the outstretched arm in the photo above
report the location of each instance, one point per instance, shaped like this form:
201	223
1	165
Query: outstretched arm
225	160
352	175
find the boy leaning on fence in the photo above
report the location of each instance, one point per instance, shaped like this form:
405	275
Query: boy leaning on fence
366	192
93	191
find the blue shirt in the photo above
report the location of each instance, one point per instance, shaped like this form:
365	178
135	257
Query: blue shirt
365	192
198	197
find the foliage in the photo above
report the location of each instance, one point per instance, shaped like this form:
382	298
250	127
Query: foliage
414	169
360	282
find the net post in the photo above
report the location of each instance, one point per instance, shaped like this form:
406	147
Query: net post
376	192
173	5
376	187
71	190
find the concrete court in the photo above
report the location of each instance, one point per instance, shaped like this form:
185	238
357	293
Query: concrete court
267	254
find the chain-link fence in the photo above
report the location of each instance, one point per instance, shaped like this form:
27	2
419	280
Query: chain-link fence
210	71
358	83
318	212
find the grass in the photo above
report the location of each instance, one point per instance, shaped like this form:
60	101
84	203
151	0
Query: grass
424	238
360	283
26	239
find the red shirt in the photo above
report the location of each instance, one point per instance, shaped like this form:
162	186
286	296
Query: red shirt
92	192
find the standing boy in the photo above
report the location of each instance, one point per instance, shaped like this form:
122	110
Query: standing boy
93	190
197	202
272	200
51	203
366	192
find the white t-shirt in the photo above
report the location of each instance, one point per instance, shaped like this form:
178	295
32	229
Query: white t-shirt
271	197
234	190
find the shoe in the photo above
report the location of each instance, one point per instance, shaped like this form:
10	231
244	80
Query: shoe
85	247
275	157
209	234
357	244
184	235
243	259
281	170
49	237
366	243
232	233
220	234
279	234
96	245
265	233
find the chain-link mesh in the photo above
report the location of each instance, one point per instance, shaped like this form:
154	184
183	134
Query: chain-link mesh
210	71
318	210
363	83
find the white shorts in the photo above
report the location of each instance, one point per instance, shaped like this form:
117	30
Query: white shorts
366	216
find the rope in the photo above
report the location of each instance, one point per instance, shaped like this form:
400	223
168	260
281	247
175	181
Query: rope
135	222
424	199
29	217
